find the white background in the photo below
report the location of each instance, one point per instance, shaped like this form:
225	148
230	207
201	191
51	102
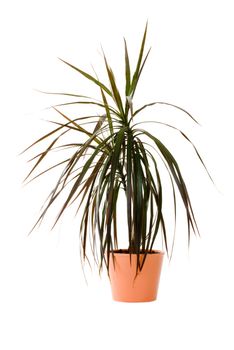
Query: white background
44	300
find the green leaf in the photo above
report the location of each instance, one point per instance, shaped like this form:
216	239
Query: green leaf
107	112
88	76
104	179
156	196
43	154
80	177
91	179
185	136
85	103
176	174
115	92
164	103
78	126
110	202
127	71
63	94
48	169
138	67
135	82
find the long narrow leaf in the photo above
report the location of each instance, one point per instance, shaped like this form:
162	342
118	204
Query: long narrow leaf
167	104
115	92
88	76
137	70
127	70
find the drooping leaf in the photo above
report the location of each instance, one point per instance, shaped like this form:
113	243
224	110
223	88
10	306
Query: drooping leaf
176	174
167	104
185	136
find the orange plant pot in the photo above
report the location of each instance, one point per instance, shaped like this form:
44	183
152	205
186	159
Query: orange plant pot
125	287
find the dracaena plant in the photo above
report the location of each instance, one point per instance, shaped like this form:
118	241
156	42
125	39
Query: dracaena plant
117	155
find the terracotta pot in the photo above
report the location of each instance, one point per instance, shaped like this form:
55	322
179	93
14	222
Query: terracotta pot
124	285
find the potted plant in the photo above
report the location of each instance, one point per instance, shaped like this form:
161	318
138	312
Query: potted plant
115	161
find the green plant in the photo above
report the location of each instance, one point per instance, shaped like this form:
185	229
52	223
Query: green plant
116	156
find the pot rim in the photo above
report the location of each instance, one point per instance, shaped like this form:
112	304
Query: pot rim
115	252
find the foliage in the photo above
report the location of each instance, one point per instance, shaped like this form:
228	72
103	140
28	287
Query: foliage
115	158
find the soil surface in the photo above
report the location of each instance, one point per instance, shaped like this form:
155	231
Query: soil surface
126	251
